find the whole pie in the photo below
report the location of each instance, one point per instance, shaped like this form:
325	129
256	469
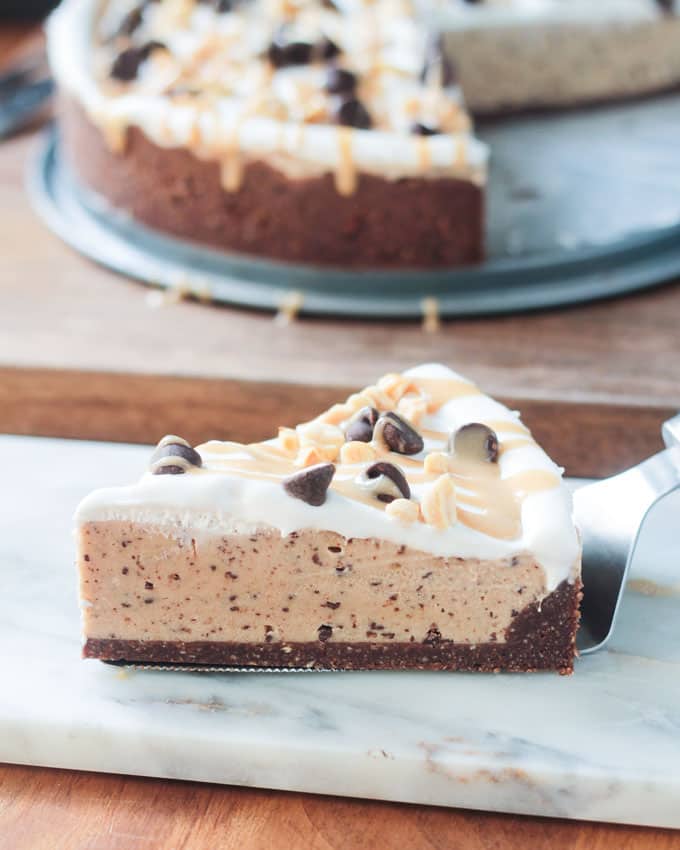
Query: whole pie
331	132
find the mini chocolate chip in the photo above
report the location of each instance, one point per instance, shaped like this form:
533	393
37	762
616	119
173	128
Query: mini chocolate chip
475	441
352	113
176	449
282	54
148	585
386	481
332	605
398	434
436	63
326	49
310	484
360	426
419	129
340	81
127	64
325	632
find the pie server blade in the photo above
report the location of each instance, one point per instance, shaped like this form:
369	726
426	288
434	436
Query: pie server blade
609	515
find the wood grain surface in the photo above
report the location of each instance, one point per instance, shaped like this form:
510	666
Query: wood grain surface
83	354
99	812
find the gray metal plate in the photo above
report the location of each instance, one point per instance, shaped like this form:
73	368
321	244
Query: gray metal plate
583	204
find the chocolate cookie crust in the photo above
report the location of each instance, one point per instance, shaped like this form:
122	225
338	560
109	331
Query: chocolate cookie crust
409	222
540	637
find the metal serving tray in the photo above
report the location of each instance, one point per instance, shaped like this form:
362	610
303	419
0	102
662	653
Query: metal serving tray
582	204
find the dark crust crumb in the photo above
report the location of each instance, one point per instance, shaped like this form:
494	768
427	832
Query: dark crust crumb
541	637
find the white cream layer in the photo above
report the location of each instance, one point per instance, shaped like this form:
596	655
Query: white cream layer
225	504
320	148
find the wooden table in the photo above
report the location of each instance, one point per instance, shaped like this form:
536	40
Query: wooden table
82	354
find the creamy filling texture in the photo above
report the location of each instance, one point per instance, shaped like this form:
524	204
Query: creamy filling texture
149	583
485	511
212	91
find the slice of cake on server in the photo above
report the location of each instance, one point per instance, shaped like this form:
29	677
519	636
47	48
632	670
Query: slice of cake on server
416	526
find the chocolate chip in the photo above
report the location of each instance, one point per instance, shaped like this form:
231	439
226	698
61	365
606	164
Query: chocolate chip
437	66
127	64
398	434
386	481
475	441
326	49
310	484
281	53
148	585
419	129
176	447
340	81
360	426
174	456
352	113
332	605
325	633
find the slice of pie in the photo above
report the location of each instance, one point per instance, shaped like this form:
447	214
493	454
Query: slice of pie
416	526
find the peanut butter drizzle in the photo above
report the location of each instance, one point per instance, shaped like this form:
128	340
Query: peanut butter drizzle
231	167
486	503
115	135
346	174
424	155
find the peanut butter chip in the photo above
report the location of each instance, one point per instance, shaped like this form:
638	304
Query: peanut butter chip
475	441
436	463
310	485
439	503
403	510
356	452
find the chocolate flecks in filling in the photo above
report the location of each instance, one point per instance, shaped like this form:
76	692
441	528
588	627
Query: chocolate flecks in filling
86	558
332	605
148	585
125	570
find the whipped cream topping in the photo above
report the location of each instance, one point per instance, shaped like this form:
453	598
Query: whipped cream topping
519	505
214	92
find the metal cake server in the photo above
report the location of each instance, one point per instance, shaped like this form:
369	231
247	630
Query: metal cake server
609	515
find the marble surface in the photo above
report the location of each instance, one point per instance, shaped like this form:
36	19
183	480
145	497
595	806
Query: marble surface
603	744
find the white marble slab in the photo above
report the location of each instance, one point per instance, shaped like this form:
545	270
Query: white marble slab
603	744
